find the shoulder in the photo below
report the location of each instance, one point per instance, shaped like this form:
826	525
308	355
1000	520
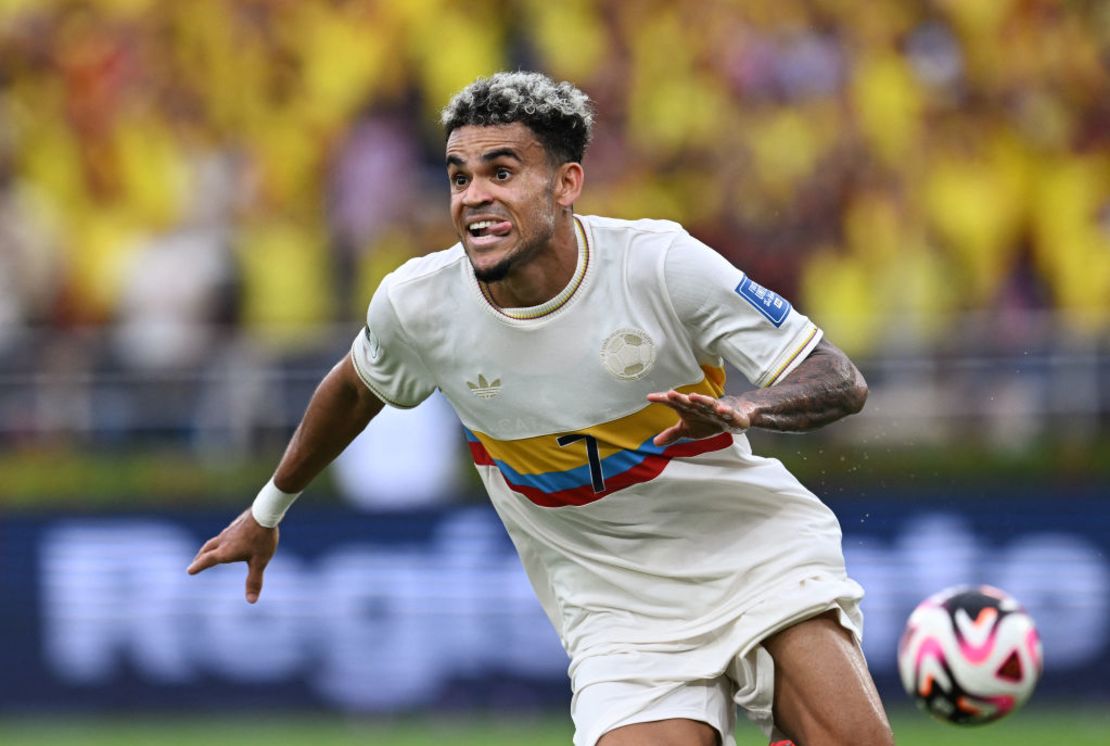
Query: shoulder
658	230
647	246
427	268
430	275
418	286
639	246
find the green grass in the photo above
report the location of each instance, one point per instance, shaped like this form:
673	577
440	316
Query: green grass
1032	727
73	475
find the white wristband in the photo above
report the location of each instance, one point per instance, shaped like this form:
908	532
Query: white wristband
270	505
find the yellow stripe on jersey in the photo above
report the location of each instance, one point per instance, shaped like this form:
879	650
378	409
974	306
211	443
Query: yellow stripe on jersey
789	360
540	454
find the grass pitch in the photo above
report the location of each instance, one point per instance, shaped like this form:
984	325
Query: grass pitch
1031	727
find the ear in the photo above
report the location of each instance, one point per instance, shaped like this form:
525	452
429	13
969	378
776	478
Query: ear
568	183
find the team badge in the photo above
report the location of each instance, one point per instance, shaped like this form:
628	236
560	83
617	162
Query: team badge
628	353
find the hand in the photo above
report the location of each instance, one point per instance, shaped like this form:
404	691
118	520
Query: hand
700	416
244	540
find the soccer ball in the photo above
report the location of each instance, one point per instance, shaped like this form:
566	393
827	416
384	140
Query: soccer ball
628	353
970	655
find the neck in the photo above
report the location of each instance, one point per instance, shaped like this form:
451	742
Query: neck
543	276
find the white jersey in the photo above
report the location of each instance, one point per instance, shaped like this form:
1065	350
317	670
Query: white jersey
629	546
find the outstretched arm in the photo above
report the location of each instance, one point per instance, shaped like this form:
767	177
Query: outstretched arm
339	410
825	387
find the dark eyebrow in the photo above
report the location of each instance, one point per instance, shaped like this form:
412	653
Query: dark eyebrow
492	155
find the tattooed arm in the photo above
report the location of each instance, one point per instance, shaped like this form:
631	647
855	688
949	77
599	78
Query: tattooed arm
825	387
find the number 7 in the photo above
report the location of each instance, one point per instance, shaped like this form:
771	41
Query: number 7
597	477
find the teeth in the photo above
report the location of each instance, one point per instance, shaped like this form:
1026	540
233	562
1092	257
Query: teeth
481	225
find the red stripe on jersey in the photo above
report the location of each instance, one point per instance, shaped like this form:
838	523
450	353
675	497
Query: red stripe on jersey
645	471
479	453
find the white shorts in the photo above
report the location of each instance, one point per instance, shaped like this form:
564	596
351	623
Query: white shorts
747	680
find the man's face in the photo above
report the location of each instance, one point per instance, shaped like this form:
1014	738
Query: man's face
502	196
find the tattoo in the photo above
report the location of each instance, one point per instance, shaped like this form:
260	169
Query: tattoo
825	387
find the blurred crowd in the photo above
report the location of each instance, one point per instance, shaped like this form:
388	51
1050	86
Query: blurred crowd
182	174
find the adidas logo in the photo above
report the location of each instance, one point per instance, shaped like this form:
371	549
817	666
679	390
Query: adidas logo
485	389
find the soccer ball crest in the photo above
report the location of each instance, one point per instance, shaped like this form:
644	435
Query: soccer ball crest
628	353
970	655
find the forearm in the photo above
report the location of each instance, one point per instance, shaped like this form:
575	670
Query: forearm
339	410
825	387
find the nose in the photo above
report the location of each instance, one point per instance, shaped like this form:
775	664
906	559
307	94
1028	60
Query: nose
476	194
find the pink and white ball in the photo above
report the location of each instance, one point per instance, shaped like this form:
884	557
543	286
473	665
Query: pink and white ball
970	655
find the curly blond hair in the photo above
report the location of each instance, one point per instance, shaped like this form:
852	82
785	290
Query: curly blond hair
559	114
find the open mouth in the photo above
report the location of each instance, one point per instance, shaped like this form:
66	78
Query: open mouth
489	228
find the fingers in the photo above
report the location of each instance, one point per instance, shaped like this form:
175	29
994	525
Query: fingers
217	555
242	540
214	552
670	435
209	556
255	567
671	397
677	401
700	416
692	404
720	411
202	562
205	557
707	404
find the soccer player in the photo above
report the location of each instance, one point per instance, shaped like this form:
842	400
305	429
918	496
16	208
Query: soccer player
585	358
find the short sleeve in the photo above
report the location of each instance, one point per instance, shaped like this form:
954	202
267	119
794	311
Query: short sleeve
729	315
385	359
